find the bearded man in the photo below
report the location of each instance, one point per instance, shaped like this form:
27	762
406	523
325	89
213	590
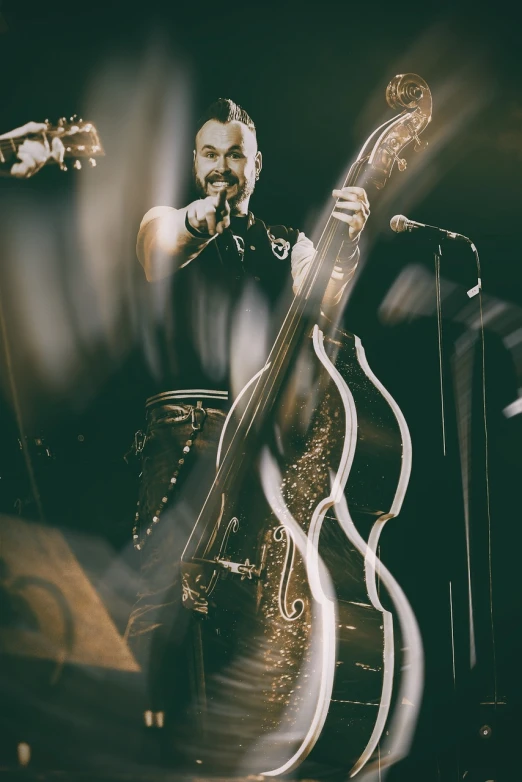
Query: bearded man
229	273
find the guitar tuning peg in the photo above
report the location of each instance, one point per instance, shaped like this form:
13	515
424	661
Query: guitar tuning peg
77	164
92	162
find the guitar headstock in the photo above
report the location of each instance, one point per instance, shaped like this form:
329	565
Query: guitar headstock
80	139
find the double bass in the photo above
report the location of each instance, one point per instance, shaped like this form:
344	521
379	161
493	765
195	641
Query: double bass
295	647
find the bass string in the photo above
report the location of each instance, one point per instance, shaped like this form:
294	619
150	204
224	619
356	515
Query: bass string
289	326
311	278
328	233
293	317
294	313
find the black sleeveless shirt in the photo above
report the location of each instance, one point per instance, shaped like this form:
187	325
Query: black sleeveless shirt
225	308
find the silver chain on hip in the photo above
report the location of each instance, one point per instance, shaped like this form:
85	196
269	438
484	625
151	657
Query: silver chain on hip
198	415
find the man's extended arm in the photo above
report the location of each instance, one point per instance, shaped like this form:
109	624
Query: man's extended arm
164	242
170	238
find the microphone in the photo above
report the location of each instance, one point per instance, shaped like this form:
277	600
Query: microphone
399	224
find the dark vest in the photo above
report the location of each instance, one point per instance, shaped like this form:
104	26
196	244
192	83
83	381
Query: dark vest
226	308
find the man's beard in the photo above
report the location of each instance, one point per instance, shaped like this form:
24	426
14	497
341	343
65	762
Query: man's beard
243	192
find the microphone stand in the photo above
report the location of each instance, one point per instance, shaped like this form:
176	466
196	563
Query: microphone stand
437	242
437	254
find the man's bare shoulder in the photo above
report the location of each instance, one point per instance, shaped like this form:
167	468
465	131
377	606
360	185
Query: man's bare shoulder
157	211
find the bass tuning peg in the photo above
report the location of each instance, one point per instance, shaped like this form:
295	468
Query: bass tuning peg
419	144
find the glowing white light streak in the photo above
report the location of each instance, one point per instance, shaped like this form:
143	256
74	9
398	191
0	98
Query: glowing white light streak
325	633
23	751
514	408
405	433
233	408
463	369
400	733
513	339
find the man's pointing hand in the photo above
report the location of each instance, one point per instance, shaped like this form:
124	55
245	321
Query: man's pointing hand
210	215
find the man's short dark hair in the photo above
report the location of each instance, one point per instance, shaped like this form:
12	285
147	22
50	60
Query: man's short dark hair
225	110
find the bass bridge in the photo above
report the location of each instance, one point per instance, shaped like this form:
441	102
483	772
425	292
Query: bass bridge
244	569
199	577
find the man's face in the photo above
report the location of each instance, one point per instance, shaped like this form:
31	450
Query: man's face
226	156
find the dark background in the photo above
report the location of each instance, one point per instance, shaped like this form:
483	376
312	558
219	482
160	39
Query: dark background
313	78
